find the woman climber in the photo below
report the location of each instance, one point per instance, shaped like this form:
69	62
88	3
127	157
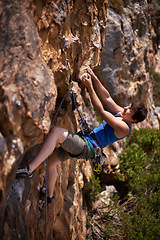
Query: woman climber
116	125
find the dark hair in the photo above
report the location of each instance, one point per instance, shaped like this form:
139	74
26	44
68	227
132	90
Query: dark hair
141	111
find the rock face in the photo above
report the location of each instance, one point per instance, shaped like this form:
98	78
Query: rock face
38	38
126	55
28	90
42	44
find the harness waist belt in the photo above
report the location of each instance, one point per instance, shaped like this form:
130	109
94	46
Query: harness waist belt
95	139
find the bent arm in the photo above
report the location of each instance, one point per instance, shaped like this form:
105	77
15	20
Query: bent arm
103	93
121	129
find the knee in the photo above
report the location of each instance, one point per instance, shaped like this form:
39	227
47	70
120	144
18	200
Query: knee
59	133
54	130
54	133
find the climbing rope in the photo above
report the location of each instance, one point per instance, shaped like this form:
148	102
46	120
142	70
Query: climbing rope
46	201
70	87
82	122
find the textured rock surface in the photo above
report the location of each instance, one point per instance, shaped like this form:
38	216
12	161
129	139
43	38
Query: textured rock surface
37	38
28	91
125	63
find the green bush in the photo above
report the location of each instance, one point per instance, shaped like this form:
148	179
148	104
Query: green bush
136	215
140	166
94	187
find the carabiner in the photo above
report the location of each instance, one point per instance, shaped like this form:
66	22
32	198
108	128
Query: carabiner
98	168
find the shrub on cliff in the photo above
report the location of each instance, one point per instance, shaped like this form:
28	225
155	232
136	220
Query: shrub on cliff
135	215
140	165
94	187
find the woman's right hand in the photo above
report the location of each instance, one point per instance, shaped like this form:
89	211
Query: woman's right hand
86	80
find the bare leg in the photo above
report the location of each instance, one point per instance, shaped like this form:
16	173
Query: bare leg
53	160
56	136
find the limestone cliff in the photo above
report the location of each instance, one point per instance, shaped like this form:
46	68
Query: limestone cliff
38	40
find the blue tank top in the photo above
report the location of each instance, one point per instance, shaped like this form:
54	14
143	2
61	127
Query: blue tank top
104	134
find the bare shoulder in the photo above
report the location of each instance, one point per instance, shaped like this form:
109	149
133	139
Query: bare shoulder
123	128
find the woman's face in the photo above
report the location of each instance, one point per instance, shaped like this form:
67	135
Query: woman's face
128	113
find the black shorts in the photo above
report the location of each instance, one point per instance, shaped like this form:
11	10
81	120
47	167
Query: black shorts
74	146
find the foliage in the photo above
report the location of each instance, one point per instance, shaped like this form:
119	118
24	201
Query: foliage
94	187
135	215
117	5
156	85
140	167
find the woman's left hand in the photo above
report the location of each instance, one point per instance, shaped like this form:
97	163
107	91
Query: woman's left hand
86	79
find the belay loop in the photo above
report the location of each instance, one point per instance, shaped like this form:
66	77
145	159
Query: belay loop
97	168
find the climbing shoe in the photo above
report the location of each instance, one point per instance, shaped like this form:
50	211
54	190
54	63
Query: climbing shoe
43	193
23	172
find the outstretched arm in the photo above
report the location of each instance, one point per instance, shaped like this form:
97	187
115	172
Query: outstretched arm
120	127
103	94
